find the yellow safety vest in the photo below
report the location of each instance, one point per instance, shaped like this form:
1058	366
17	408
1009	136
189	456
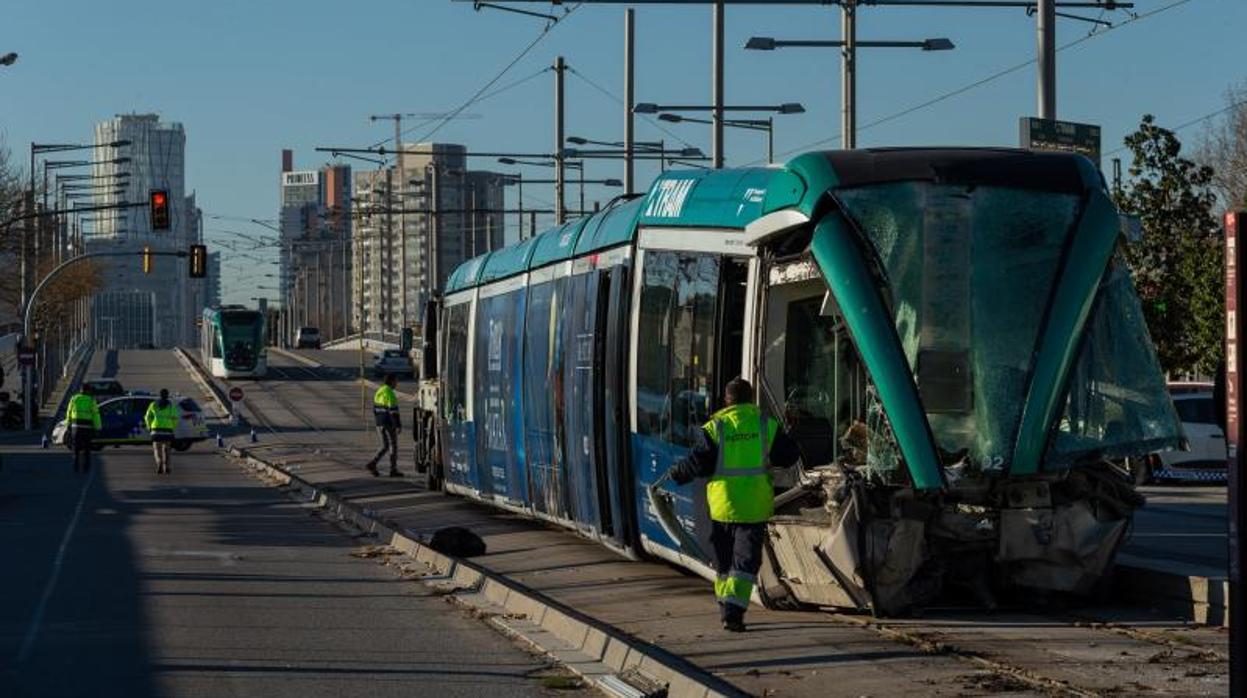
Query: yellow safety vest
740	490
161	419
385	406
83	411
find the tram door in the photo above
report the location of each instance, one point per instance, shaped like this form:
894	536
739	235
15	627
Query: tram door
609	400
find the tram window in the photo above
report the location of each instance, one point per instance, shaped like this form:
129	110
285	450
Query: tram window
732	285
653	350
455	405
692	358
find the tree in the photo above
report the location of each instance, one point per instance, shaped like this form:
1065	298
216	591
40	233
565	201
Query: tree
1224	149
1177	265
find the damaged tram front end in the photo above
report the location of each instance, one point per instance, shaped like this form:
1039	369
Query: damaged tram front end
954	341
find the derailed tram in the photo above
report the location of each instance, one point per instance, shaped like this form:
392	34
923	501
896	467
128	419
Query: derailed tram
950	335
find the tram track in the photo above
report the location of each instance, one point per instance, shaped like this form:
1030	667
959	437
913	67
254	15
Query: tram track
1158	653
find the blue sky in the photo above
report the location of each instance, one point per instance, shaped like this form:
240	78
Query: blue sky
249	78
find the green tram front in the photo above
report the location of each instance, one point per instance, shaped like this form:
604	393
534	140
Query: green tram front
233	342
955	340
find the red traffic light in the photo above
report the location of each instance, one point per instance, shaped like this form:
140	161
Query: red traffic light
159	205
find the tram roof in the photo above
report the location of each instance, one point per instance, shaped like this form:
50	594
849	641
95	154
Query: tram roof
729	199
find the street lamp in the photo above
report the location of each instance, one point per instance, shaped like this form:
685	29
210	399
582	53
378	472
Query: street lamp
767	124
848	64
785	108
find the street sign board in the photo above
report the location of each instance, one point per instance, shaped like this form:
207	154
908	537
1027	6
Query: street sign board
26	357
235	394
1061	136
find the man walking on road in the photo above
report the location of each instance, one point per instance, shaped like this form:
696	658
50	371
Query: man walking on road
389	424
161	419
734	450
83	417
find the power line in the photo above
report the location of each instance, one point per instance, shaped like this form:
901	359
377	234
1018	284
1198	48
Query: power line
492	81
653	122
1192	122
983	81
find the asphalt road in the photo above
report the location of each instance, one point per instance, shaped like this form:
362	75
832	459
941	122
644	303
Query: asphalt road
1182	525
206	582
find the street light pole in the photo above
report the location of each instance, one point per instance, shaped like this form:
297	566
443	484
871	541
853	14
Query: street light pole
1045	26
848	74
716	88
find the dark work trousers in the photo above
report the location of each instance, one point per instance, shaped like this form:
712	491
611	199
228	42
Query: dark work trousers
737	559
389	443
81	440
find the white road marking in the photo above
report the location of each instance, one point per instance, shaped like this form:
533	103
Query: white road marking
32	633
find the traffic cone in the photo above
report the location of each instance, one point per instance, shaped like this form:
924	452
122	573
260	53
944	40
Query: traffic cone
220	443
254	438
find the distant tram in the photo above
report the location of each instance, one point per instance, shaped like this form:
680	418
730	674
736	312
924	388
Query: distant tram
951	336
233	342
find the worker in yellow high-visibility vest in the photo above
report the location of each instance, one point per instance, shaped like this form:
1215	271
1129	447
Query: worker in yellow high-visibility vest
389	424
735	449
82	416
161	420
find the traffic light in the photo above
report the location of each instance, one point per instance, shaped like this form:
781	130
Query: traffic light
159	204
147	259
199	261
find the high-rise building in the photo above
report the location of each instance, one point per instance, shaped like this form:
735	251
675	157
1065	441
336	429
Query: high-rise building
428	220
212	282
156	160
315	224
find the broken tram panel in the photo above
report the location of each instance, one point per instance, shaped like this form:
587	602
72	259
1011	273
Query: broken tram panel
948	334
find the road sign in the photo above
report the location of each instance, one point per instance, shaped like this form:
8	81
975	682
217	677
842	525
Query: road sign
235	394
26	357
1061	136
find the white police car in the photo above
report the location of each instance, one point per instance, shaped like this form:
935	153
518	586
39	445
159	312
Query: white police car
121	423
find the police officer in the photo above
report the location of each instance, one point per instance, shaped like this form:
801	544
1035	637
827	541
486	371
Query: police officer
389	424
83	418
734	450
161	419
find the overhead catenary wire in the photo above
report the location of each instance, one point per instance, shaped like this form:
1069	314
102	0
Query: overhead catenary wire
985	80
652	122
476	96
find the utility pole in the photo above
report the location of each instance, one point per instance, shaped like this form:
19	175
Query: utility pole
1045	26
716	87
559	68
629	97
848	74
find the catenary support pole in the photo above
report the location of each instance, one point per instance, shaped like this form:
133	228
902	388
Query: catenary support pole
848	74
559	174
629	95
716	87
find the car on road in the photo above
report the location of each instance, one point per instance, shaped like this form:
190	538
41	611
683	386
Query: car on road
121	423
1206	460
394	361
104	387
307	338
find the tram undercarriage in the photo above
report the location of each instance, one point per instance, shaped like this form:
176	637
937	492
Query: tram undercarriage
841	540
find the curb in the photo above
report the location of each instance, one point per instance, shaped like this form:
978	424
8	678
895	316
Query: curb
604	644
312	363
80	371
205	382
1194	598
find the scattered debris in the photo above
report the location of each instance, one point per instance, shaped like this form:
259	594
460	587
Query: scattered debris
375	551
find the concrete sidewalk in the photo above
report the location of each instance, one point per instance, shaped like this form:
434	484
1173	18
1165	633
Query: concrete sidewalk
784	653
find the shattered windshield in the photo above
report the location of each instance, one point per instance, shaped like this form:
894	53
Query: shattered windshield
1117	404
968	270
